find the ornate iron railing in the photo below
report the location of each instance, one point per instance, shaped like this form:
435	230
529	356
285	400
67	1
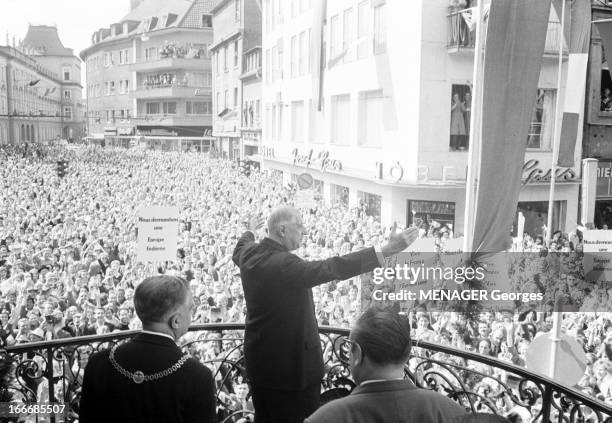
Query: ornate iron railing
479	383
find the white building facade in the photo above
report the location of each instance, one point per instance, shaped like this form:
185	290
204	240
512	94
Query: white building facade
386	138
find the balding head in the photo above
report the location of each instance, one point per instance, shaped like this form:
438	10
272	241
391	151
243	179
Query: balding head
281	216
285	227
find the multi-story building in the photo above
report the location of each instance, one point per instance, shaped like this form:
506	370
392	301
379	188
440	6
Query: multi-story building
30	99
597	141
46	48
149	73
237	36
385	136
250	131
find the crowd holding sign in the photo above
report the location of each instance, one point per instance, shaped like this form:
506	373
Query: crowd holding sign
69	254
158	234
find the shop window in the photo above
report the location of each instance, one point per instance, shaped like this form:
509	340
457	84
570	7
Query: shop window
339	194
536	217
370	204
461	111
603	214
433	216
318	186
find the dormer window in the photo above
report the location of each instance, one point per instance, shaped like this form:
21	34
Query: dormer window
153	24
206	21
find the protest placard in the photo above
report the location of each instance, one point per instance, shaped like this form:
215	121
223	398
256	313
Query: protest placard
157	233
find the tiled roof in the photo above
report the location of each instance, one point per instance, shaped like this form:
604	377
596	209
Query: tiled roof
45	40
193	18
158	8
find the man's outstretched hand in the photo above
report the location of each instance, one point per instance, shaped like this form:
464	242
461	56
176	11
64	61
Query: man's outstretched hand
256	223
398	242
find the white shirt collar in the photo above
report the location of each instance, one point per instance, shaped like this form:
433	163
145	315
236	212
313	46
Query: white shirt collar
159	334
367	382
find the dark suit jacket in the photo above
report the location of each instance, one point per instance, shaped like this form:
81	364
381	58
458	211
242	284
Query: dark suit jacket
187	395
281	342
391	401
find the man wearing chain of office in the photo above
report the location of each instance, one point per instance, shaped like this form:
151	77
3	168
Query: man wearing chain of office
149	378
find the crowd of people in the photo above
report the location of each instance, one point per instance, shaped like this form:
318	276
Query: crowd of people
68	249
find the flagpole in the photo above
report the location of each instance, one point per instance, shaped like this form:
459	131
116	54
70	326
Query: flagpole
475	139
557	135
556	331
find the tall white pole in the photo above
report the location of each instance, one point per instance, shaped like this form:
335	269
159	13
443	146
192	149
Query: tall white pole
557	132
556	330
475	140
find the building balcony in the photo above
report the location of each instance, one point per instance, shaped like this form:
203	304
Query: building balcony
452	372
171	91
459	38
174	120
169	63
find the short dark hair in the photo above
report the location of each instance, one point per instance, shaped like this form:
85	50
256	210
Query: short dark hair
383	335
157	296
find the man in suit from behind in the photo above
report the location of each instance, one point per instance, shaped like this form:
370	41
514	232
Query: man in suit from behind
379	349
282	349
149	379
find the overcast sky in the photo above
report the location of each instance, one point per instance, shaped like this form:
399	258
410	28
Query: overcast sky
76	20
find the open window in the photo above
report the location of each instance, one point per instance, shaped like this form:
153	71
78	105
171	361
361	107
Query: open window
606	84
461	112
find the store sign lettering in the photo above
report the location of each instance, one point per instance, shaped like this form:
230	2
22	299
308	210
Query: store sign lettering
533	173
322	160
267	152
604	172
397	172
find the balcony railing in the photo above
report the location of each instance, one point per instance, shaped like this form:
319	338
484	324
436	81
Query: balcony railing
459	37
479	383
160	63
171	90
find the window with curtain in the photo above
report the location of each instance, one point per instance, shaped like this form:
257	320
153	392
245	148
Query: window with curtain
340	119
303	60
294	56
370	118
364	47
542	120
348	35
380	30
297	121
334	36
